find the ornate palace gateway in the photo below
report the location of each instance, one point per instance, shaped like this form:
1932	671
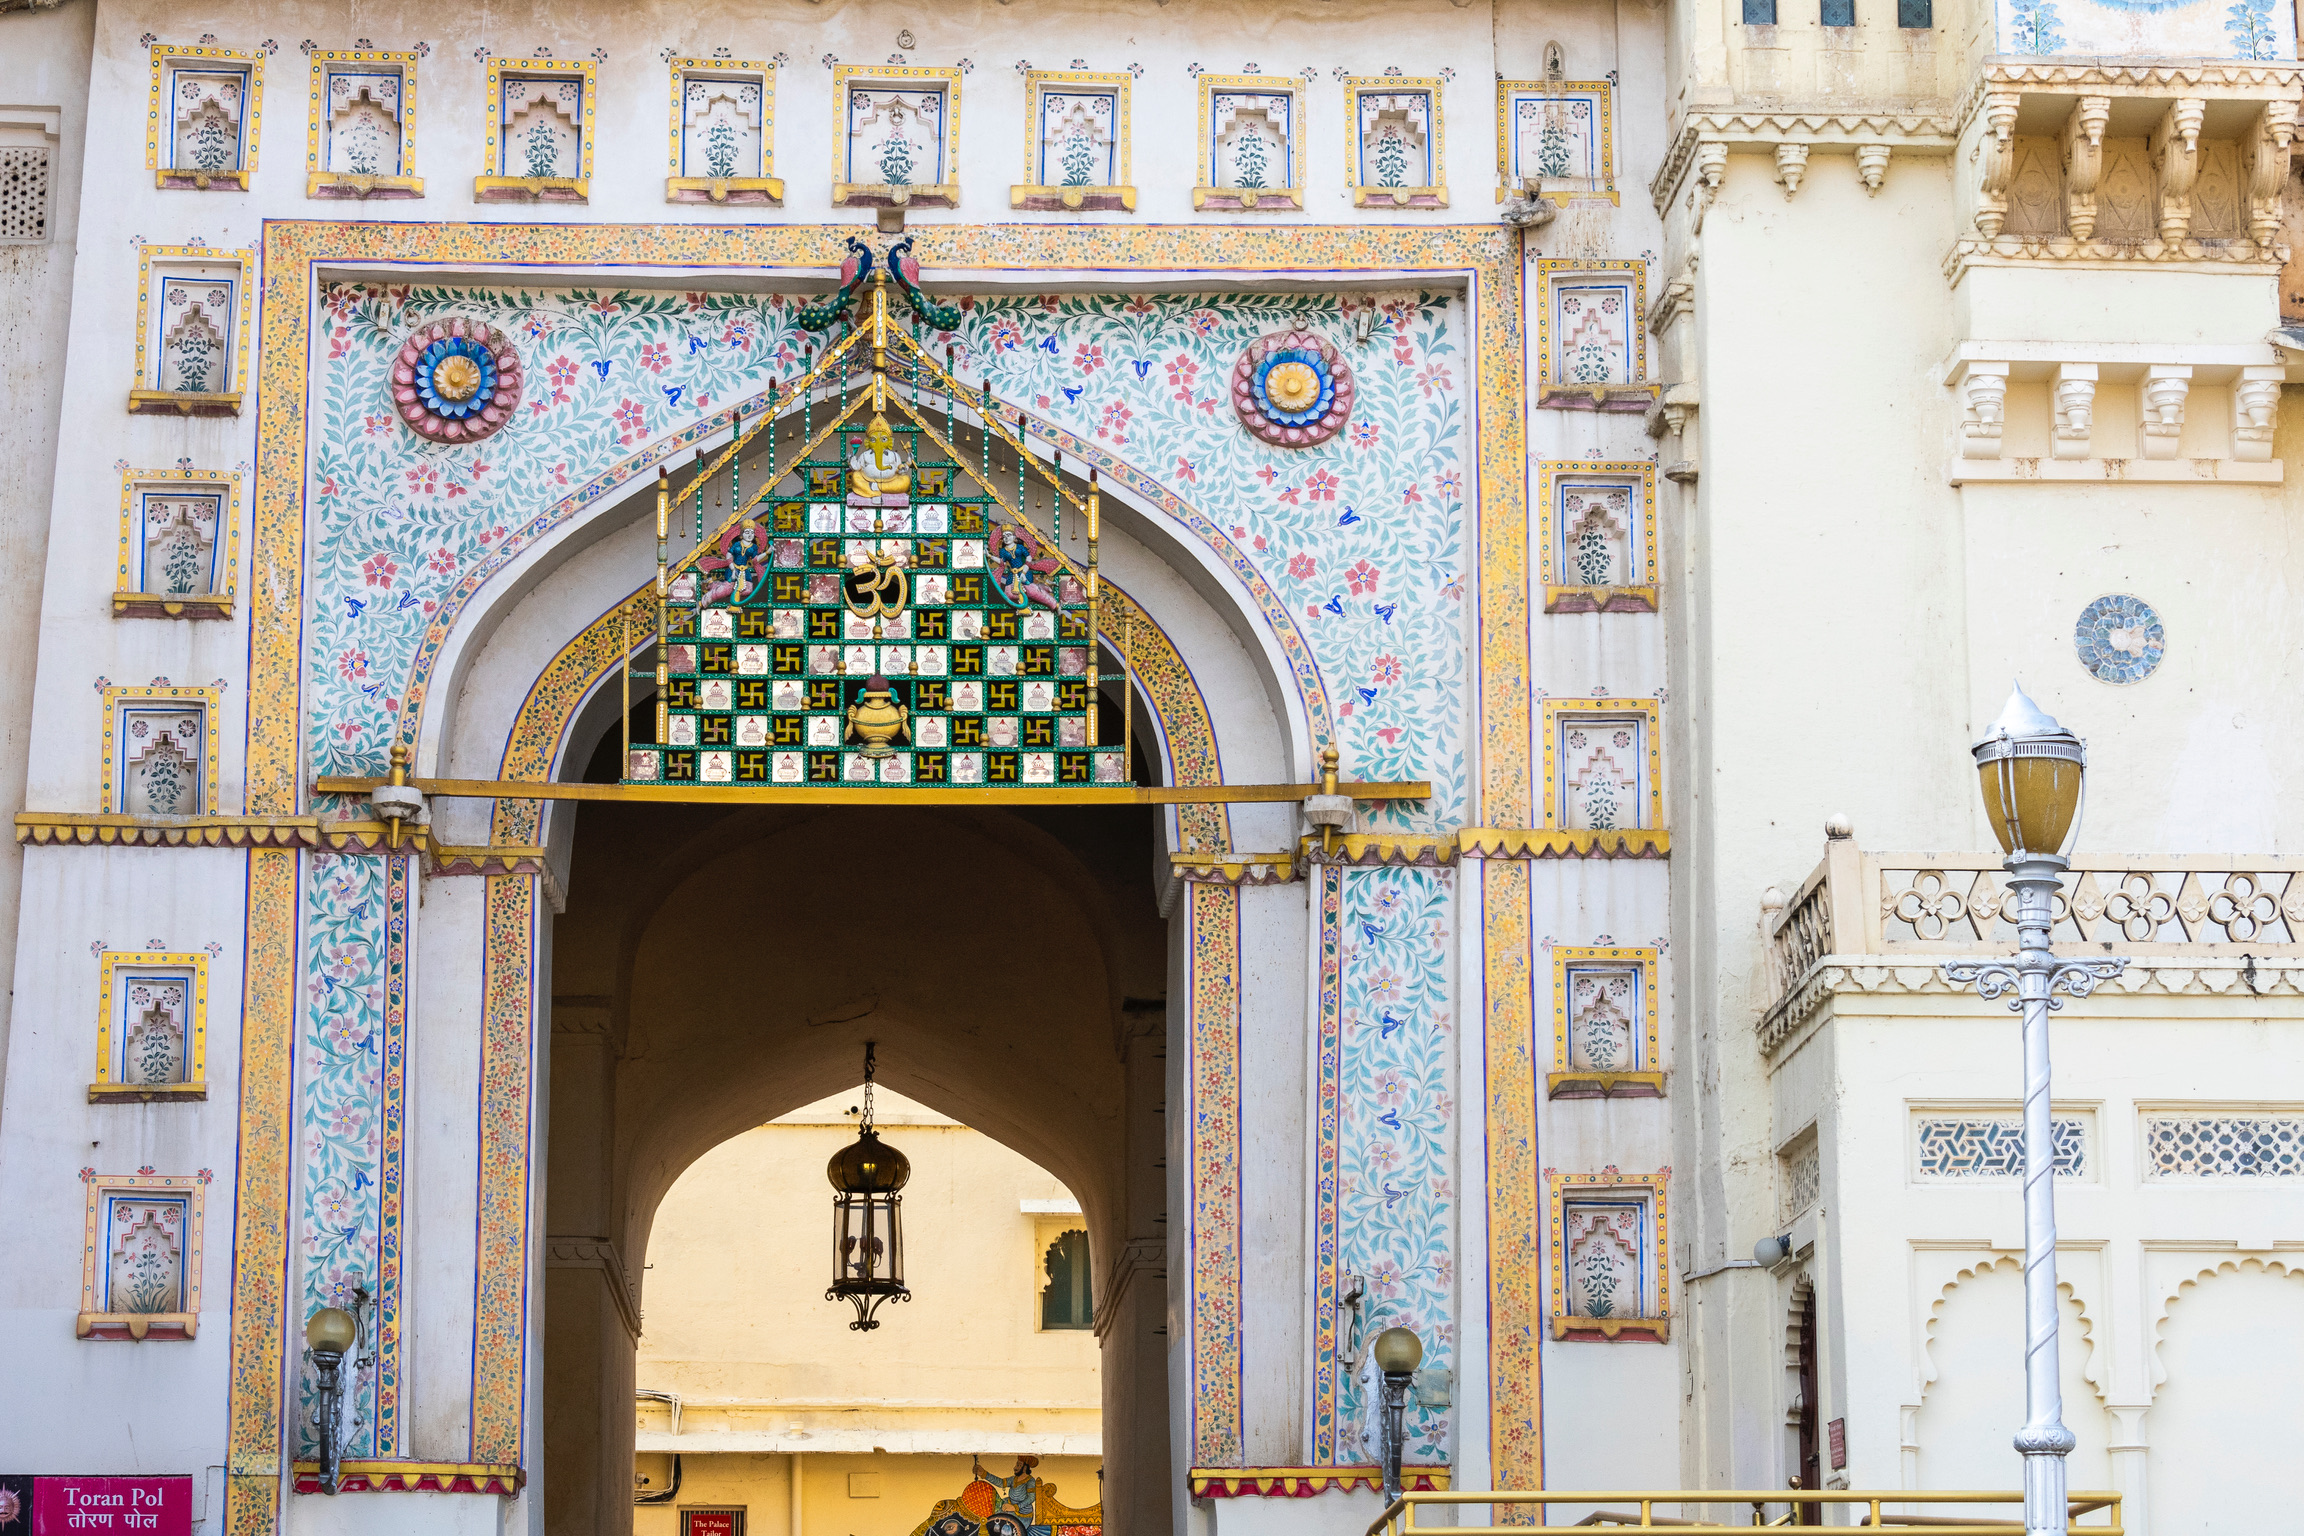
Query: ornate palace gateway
1270	617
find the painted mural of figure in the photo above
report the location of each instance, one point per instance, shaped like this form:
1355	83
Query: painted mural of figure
735	570
1021	572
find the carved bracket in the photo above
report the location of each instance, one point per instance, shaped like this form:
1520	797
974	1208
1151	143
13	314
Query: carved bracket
1996	153
1984	406
2175	151
2075	407
2161	399
2084	162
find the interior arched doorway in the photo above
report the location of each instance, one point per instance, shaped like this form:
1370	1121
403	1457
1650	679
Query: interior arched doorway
714	969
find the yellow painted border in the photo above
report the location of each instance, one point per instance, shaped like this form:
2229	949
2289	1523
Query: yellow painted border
251	116
1565	956
136	480
1561	1187
1550	268
767	182
314	177
211	699
171	258
1357	86
1036	83
1290	196
846	75
99	1185
1506	89
196	1038
492	149
1552	558
1556	710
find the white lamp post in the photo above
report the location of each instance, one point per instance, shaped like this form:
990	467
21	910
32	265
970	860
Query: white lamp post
2032	769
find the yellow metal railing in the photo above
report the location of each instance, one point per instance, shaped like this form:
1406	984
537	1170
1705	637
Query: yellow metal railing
1399	1519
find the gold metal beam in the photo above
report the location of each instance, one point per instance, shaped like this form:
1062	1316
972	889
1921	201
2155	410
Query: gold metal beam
876	794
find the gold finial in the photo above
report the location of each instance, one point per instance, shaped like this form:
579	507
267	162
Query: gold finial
1329	757
400	756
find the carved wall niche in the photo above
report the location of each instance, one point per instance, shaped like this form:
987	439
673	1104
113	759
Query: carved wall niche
898	143
1591	339
151	1028
179	544
723	133
1396	143
1557	133
1251	144
140	1256
1608	1276
539	143
1597	536
1604	1024
1077	153
191	331
160	750
200	131
360	141
1602	764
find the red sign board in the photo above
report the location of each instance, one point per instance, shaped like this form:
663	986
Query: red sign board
711	1522
111	1506
1838	1431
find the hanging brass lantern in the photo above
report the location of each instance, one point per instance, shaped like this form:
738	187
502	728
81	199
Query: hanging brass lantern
867	1239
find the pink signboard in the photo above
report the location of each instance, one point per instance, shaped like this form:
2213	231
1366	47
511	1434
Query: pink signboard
90	1506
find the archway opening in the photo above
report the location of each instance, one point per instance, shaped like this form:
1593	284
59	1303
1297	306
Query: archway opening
717	968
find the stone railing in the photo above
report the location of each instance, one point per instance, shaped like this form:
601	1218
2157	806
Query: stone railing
1886	909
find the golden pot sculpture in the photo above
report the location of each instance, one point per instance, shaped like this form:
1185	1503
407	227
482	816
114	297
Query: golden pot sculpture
876	718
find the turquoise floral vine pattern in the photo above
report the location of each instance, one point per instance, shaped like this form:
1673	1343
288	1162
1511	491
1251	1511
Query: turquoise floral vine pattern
1396	1203
1362	538
340	1118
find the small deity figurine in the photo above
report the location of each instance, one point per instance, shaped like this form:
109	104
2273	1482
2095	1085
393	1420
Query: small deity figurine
879	469
736	569
1020	571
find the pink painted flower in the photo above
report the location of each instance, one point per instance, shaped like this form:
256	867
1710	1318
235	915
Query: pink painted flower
1362	578
443	561
1140	304
561	371
1088	357
1411	495
353	664
1006	336
1384	986
371	425
1363	434
1201	322
1320	485
559	474
379	570
656	357
1267	474
1183	373
1385	672
603	306
1402	353
1434	377
1115	423
1301	566
631	418
1185	471
1391	1088
328	486
1292	495
424	478
1449	484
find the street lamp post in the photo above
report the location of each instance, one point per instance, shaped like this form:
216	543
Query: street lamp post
2032	770
1398	1352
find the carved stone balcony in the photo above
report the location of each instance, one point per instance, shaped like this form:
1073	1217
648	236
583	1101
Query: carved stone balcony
2093	163
1885	922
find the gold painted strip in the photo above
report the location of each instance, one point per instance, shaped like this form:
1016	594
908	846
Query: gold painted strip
861	794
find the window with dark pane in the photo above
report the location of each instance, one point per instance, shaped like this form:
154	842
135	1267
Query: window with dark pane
1838	13
1919	15
1759	13
1065	1301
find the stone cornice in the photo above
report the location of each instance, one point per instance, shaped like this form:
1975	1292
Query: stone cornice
2216	79
2223	974
1925	133
2242	258
114	830
1371	850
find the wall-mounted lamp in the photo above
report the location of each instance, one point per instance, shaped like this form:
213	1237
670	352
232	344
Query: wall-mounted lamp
330	1334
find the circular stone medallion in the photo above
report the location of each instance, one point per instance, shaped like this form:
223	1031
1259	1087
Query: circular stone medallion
2120	639
456	381
1292	389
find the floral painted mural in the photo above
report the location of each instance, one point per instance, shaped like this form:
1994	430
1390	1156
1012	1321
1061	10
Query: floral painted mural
1358	544
1395	1207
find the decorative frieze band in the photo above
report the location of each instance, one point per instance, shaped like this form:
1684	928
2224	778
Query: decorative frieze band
1371	850
1871	136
